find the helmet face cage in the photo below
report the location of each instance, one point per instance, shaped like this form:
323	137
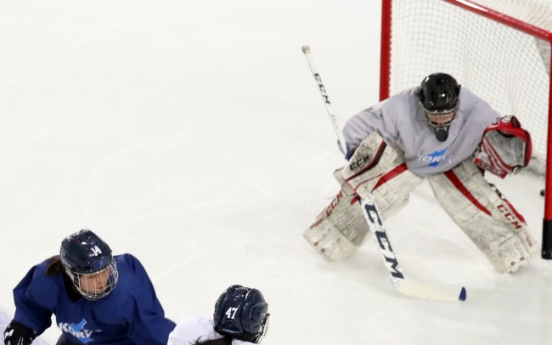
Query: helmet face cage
263	330
438	95
94	286
242	313
88	262
440	119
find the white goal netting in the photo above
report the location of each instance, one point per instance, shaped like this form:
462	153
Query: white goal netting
503	65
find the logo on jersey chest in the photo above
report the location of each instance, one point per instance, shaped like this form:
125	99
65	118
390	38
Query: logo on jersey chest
435	158
77	330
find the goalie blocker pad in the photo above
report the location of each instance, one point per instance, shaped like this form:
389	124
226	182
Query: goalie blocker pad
505	148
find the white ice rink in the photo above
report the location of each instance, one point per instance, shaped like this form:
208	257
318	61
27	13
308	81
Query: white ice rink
191	134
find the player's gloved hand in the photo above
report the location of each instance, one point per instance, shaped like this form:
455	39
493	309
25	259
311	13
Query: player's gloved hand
349	152
18	334
505	148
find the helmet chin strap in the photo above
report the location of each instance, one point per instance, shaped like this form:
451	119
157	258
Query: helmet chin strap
441	133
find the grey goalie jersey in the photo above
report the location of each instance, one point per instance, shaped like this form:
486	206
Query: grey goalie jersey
400	121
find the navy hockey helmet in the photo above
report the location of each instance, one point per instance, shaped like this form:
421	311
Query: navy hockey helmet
242	313
88	262
438	95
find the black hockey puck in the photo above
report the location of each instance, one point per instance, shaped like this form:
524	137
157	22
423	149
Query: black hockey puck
542	192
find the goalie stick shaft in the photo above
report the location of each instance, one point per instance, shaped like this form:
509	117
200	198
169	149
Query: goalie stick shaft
374	220
333	117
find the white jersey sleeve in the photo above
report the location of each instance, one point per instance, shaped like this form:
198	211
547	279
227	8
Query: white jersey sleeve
194	328
400	121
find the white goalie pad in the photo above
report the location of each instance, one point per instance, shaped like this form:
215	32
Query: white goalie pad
485	216
372	158
341	228
379	169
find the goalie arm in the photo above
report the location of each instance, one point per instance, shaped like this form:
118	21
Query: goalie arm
505	148
371	120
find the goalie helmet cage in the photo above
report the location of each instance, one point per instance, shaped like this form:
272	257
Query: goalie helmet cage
500	49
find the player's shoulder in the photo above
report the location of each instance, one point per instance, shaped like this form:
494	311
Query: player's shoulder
126	258
476	108
128	261
193	328
196	321
468	98
196	327
39	270
132	274
401	103
41	286
42	266
133	278
407	95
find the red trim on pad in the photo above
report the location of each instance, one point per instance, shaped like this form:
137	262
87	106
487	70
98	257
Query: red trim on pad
458	184
391	174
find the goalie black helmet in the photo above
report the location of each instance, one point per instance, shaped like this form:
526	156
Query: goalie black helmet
438	95
88	262
242	313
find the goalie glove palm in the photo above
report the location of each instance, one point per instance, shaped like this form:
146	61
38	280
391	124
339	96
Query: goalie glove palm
505	148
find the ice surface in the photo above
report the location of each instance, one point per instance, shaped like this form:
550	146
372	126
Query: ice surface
191	134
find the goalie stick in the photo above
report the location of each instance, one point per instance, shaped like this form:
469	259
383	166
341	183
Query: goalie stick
373	217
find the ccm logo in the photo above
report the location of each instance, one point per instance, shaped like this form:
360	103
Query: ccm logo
510	217
359	163
322	89
376	225
328	210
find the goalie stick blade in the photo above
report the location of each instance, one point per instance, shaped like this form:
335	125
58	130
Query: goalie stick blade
416	289
404	285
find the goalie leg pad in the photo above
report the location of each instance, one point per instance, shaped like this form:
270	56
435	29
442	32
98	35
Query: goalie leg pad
485	216
392	190
341	228
379	169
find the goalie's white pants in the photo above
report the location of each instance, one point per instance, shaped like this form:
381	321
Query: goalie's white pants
476	206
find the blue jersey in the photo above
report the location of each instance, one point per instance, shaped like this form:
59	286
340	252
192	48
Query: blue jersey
130	314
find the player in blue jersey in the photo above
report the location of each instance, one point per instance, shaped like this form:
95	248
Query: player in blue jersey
240	317
97	298
447	135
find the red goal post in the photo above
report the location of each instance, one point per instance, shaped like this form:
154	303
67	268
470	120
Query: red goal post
500	49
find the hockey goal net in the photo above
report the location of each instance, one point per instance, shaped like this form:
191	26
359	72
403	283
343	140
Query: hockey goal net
500	49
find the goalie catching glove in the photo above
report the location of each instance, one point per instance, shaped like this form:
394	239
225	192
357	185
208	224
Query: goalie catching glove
505	148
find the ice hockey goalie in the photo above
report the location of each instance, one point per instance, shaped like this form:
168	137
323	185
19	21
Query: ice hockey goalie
443	133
